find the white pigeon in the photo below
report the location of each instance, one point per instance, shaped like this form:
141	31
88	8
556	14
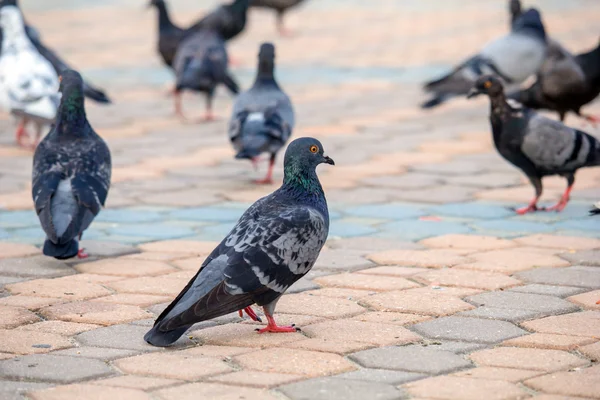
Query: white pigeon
28	82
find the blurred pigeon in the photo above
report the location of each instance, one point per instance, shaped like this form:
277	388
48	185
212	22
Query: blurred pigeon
169	35
535	144
28	83
71	174
200	65
275	242
280	7
595	210
229	20
513	57
57	63
515	9
263	117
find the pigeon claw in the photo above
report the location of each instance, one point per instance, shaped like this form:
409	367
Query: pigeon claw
527	209
250	313
81	254
278	329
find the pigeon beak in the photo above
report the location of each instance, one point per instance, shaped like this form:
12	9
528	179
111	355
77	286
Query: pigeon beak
328	160
474	92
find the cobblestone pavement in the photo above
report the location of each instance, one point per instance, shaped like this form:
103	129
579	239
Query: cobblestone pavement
429	288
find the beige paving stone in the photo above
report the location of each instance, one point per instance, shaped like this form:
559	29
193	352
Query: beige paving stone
342	293
328	307
392	270
172	366
93	312
511	260
516	194
154	256
29	302
13	250
365	282
525	358
90	278
58	327
470	242
214	391
585	323
256	379
559	242
556	397
29	342
88	392
20	200
447	290
152	285
454	147
181	246
497	373
330	345
587	300
192	263
582	383
216	351
393	318
15	316
465	278
359	331
136	382
295	361
549	341
58	288
244	335
436	258
125	267
141	300
462	388
418	303
591	351
6	356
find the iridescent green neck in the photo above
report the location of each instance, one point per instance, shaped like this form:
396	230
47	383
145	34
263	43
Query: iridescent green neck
300	177
71	112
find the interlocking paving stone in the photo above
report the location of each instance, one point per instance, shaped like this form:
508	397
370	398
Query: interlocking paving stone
436	304
585	257
549	341
38	267
15	316
31	342
581	383
550	290
342	260
497	373
386	211
505	314
79	391
96	248
381	375
475	242
543	305
452	387
368	245
14	390
421	229
332	388
475	210
51	368
586	277
347	229
454	347
256	379
213	391
586	323
468	329
511	228
415	358
373	333
535	359
129	337
101	353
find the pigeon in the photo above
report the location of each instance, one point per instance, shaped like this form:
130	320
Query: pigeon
515	9
280	7
595	210
263	117
514	57
228	20
537	145
28	83
169	35
71	174
200	65
57	63
274	243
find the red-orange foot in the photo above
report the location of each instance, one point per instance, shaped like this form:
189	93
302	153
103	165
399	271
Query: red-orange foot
598	302
278	329
558	207
82	254
250	313
525	210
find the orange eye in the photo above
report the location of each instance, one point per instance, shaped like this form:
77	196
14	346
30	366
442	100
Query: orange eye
487	84
314	149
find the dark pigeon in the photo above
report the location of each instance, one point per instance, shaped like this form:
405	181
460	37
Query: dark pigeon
201	65
275	243
536	145
169	35
515	9
514	57
263	117
229	20
280	7
58	64
71	174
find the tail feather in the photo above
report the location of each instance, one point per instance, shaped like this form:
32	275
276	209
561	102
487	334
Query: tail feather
163	339
61	251
435	101
96	94
529	97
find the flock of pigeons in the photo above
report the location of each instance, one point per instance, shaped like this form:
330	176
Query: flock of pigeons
278	239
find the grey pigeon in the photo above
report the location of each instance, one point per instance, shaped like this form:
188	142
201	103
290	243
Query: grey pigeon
229	20
263	117
536	145
274	243
201	65
71	174
514	57
280	7
169	35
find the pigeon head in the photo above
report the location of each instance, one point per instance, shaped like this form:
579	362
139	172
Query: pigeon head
71	110
10	19
514	6
487	84
155	3
266	61
530	23
301	159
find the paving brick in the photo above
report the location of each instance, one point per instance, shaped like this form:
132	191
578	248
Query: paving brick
28	342
465	278
549	341
445	290
366	332
342	293
58	288
392	270
328	307
101	353
587	300
94	312
591	351
366	282
342	260
471	242
172	366
585	257
256	379
550	290
15	316
391	318
51	368
506	314
98	248
586	277
436	258
381	375
136	382
244	335
524	358
14	250
370	244
87	391
34	267
153	285
468	329
180	246
511	260
414	358
125	267
156	256
497	373
129	338
453	346
585	323
541	304
15	390
559	242
330	345
214	391
29	302
582	383
332	388
294	361
418	303
141	300
59	327
462	388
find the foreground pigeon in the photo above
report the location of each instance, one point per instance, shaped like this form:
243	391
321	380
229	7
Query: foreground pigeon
263	117
57	63
169	35
280	7
201	65
535	144
229	20
28	83
513	57
71	174
275	242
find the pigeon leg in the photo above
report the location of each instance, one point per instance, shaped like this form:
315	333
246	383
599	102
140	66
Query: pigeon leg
250	313
38	135
269	178
273	327
81	254
562	203
532	206
208	115
255	161
20	132
283	31
177	101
